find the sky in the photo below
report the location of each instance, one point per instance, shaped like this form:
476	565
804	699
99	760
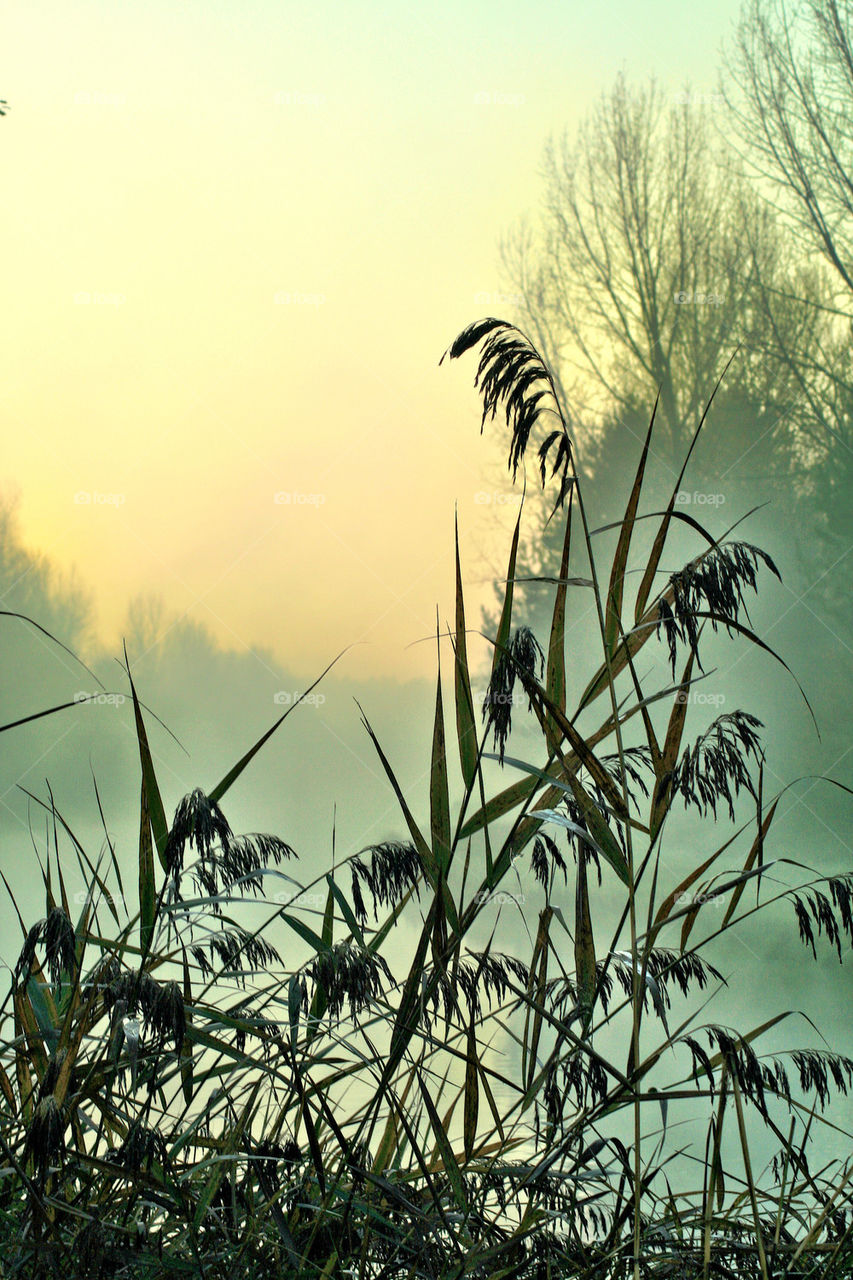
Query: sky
238	239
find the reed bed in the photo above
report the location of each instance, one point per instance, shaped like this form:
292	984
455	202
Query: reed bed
175	1100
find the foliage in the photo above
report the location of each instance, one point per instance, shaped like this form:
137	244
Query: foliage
176	1100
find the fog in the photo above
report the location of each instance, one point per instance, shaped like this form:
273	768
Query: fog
318	782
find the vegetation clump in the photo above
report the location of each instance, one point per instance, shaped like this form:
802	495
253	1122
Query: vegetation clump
176	1101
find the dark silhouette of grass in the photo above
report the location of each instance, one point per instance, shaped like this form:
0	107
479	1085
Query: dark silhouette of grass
176	1100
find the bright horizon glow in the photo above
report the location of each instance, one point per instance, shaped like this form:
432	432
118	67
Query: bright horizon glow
281	216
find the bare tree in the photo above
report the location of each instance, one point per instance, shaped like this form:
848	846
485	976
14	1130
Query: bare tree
651	265
791	93
656	259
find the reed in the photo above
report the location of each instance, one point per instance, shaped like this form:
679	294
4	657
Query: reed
175	1100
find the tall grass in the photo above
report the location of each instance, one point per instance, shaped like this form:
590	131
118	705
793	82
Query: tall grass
178	1101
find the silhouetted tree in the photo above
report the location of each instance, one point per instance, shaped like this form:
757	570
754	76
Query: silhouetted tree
791	95
30	585
654	262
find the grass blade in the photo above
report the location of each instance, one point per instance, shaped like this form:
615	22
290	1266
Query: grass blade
472	1090
233	774
419	841
154	803
439	794
584	942
147	890
660	538
466	727
555	677
615	592
505	624
451	1167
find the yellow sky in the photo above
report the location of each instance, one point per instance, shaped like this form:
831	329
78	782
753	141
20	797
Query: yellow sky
237	238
